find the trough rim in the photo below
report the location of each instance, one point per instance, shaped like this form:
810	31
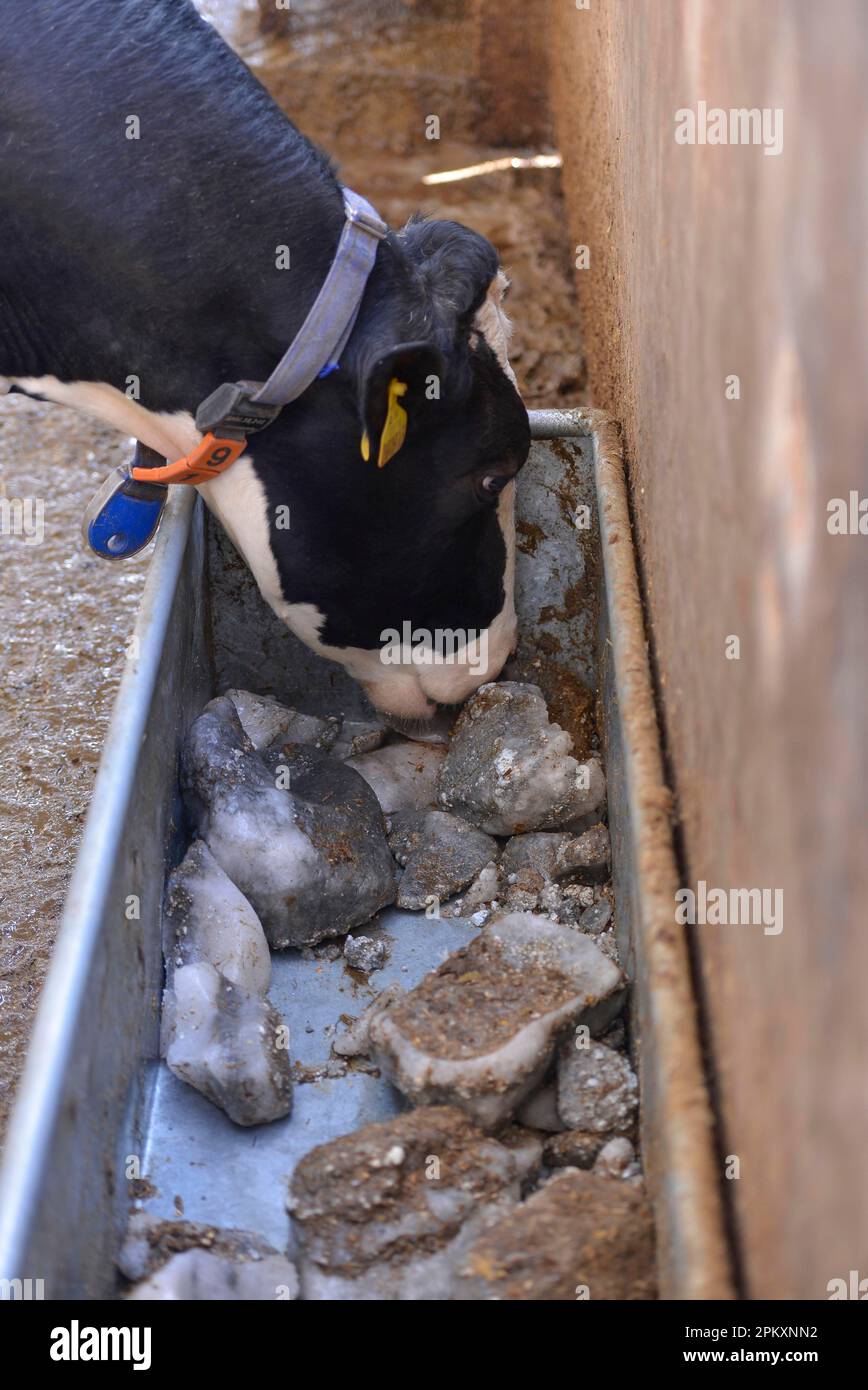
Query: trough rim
27	1150
682	1166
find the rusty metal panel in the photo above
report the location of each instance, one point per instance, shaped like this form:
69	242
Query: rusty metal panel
677	1121
678	1141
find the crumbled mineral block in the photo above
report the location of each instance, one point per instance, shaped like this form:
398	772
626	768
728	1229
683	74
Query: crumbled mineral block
596	918
195	1275
387	1212
299	833
551	903
597	1089
404	830
358	736
509	770
402	775
524	890
227	1044
484	889
205	917
356	1040
445	857
266	722
480	1031
527	1147
616	1036
540	1111
608	944
572	1148
580	1236
617	1159
570	905
557	855
365	953
152	1240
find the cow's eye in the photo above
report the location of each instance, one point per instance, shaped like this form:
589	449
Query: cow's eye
493	484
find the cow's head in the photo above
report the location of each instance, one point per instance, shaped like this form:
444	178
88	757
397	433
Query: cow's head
401	572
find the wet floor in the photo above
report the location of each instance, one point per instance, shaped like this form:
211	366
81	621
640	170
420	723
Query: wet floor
363	78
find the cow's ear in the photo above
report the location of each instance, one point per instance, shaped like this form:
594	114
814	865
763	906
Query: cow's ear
393	387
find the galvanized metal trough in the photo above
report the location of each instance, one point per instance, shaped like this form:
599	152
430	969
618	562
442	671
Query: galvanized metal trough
97	1109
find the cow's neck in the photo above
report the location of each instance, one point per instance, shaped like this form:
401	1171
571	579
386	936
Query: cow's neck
150	269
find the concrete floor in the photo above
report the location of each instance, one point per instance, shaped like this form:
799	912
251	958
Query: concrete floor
64	619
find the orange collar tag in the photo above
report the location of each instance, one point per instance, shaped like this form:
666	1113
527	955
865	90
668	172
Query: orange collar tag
210	457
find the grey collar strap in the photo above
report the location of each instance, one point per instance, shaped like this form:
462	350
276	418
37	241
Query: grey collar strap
238	408
324	334
125	513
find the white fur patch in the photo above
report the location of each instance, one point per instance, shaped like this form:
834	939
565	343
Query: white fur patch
492	321
237	498
172	434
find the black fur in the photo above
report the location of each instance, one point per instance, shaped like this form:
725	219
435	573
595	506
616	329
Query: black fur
156	258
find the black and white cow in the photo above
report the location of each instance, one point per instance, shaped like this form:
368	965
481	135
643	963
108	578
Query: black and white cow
154	259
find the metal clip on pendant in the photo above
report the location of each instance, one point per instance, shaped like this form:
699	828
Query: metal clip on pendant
123	516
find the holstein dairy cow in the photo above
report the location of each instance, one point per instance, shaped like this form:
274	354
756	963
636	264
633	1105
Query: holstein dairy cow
165	230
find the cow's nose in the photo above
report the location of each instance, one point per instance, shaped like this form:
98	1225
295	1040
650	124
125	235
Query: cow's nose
433	730
400	697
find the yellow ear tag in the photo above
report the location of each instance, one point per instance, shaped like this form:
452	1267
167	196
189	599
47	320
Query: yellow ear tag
395	428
